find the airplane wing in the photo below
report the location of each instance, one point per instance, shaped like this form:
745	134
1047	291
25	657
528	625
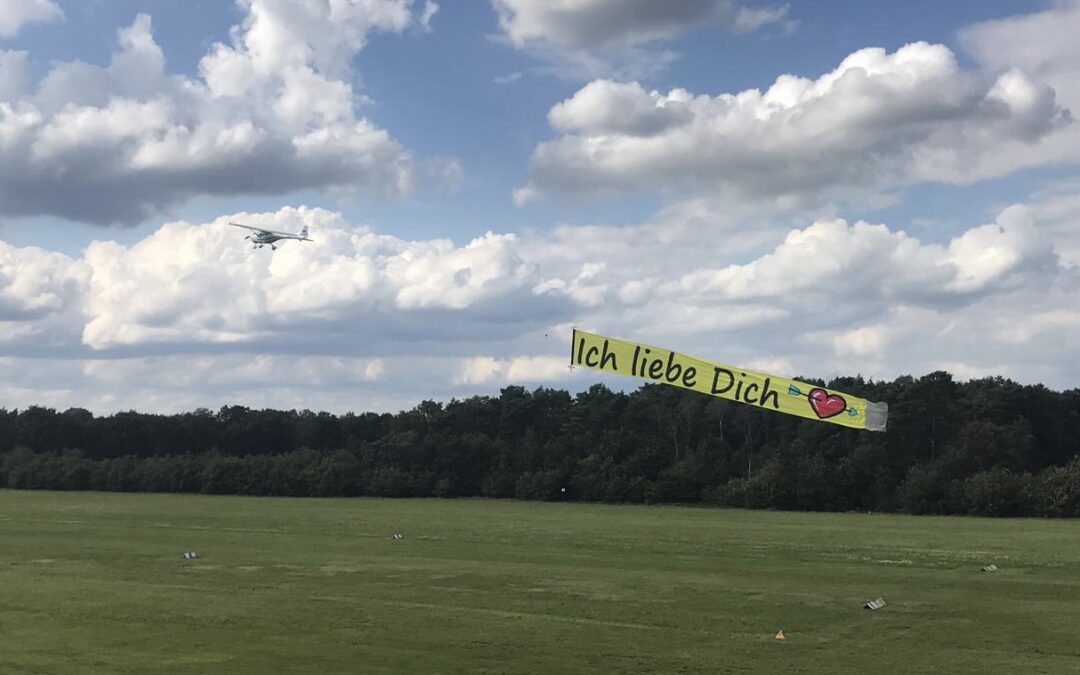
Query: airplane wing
289	235
249	227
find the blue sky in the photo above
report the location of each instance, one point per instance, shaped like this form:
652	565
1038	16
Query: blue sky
612	124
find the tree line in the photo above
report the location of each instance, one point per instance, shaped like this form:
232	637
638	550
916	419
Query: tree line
985	447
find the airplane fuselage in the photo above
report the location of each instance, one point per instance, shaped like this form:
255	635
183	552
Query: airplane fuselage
261	239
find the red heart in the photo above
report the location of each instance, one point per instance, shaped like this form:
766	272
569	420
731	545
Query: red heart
825	404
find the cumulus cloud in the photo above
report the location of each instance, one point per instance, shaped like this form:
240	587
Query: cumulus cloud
485	370
14	14
350	289
270	113
865	341
877	122
191	315
1041	44
1056	212
824	260
35	282
200	287
589	38
197	288
833	296
42	295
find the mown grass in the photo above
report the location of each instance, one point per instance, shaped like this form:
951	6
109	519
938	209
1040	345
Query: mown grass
96	583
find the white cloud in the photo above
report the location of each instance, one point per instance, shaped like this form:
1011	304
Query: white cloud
832	270
533	369
191	315
584	23
14	14
283	34
189	284
879	121
235	371
1043	45
775	364
180	383
487	370
270	113
1056	212
13	74
1053	321
509	78
430	10
582	39
834	298
478	370
748	19
35	282
866	342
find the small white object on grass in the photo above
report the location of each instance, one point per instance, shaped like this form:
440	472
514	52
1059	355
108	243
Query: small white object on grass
990	568
875	604
398	535
191	554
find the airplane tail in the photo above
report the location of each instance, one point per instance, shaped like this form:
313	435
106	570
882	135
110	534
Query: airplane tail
303	232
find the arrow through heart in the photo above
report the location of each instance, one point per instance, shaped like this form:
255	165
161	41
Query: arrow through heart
826	405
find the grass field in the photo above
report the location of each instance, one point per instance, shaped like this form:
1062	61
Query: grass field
96	583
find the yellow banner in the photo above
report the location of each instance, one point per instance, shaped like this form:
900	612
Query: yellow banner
611	355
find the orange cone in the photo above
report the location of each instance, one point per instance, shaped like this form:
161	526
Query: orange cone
780	636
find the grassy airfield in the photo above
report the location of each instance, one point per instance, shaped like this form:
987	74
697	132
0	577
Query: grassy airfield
97	583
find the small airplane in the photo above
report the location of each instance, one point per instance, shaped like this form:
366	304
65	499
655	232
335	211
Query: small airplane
261	237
